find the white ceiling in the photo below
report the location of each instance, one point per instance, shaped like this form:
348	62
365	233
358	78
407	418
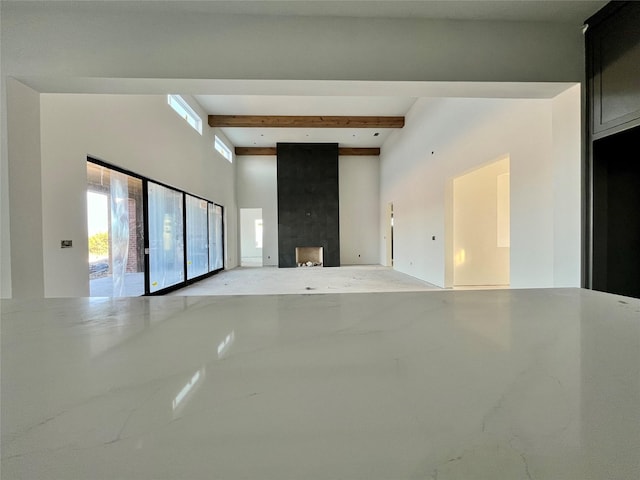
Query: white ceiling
300	97
339	98
304	105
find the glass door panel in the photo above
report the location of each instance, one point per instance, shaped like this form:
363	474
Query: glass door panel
197	242
218	246
216	251
212	235
115	222
166	237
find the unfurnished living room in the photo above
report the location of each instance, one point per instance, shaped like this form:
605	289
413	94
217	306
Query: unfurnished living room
372	239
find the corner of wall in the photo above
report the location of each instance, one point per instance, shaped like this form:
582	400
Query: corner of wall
567	186
448	235
24	166
5	231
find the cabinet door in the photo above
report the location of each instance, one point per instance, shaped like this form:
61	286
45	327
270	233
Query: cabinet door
615	47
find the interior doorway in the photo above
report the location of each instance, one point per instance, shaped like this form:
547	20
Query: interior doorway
616	221
389	235
251	237
481	226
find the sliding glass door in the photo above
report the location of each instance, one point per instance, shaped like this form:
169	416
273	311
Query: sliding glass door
166	237
115	219
197	242
145	237
216	250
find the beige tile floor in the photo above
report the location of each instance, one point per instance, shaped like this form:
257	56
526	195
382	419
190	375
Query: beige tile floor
274	280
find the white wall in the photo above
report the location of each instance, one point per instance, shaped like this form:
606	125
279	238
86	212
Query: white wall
257	188
139	133
23	112
359	191
445	137
478	258
566	128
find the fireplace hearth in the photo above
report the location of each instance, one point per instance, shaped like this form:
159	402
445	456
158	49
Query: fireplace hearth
309	256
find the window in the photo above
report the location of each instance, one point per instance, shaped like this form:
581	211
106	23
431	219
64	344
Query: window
222	149
183	109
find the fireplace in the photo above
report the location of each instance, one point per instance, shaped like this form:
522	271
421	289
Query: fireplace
309	256
308	202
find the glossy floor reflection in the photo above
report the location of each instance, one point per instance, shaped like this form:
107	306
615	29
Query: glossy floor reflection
505	384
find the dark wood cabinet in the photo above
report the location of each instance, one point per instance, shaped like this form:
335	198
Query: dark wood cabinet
613	57
612	200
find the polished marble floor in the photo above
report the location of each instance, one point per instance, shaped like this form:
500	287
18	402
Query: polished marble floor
503	384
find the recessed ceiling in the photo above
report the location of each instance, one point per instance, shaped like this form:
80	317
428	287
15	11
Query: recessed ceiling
296	97
345	99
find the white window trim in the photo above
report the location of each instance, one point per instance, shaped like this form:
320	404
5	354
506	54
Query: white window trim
182	108
222	148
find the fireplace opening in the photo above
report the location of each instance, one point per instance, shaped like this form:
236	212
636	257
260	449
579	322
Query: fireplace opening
309	256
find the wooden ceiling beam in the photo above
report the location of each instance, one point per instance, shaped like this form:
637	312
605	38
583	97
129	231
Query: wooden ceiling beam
343	151
287	121
256	151
359	152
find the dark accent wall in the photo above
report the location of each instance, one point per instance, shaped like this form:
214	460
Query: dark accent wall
308	201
